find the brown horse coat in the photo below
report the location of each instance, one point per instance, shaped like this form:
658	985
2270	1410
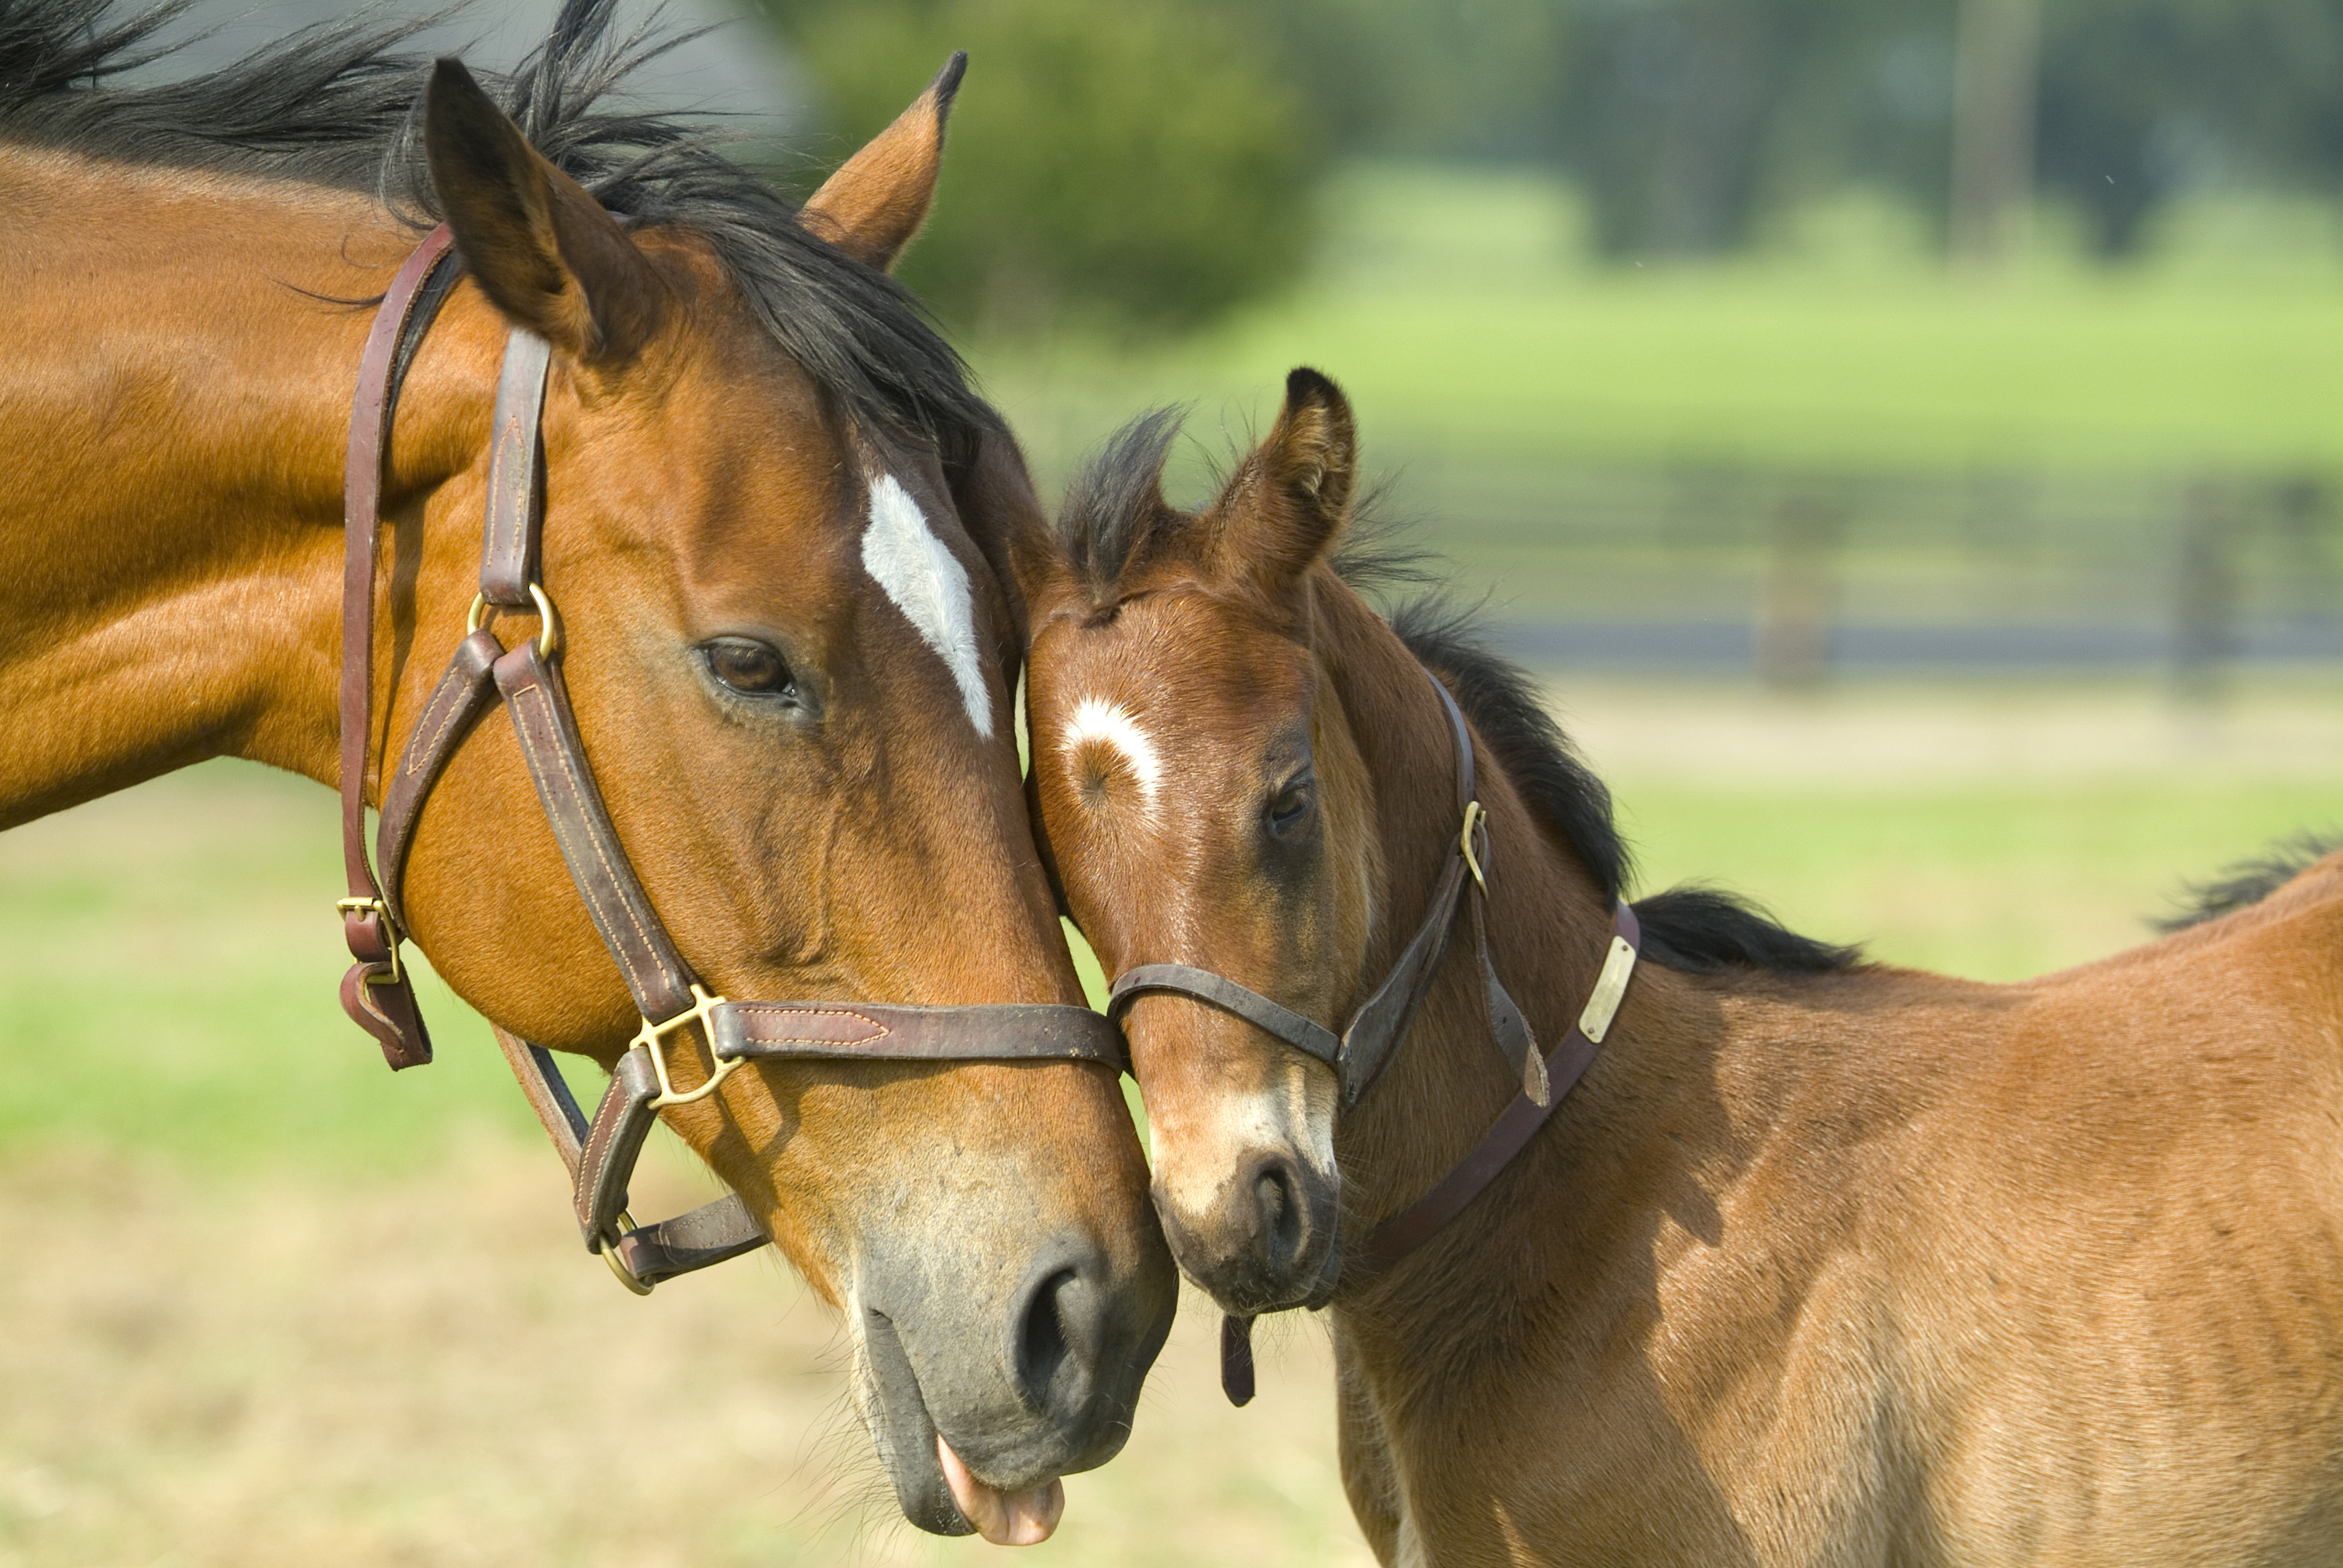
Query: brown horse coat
1822	1264
752	441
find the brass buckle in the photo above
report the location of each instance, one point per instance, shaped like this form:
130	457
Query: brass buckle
392	935
1474	818
652	1034
548	625
609	1250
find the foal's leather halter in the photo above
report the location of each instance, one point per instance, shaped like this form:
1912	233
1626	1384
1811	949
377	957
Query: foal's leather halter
376	991
1358	1054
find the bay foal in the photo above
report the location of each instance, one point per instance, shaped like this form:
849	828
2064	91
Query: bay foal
767	497
1821	1262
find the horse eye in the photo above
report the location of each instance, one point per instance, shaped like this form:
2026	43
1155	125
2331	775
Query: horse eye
1292	804
749	668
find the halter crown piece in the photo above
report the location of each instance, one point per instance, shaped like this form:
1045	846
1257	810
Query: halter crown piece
1360	1053
377	993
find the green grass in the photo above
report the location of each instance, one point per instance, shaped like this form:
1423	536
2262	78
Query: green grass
169	965
1453	306
1987	883
168	958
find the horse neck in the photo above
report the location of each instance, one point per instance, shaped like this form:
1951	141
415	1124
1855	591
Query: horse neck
1548	923
177	397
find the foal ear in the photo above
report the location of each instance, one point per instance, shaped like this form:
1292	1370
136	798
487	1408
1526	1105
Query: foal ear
876	200
1287	503
543	251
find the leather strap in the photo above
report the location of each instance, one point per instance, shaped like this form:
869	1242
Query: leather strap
376	991
1236	1360
1302	1034
600	1154
621	1123
1367	1043
891	1031
540	705
709	1234
1506	1137
548	1095
455	704
1360	1053
508	560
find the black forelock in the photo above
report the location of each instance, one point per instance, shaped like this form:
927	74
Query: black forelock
1114	511
340	103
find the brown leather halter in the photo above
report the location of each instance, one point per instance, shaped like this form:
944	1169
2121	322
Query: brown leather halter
376	991
1358	1054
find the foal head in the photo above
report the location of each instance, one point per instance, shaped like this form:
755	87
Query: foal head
787	650
1204	802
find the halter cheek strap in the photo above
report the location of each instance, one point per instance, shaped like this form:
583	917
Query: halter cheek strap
600	1153
1360	1053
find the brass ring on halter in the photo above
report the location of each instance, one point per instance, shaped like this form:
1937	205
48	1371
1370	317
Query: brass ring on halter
548	627
1474	818
609	1250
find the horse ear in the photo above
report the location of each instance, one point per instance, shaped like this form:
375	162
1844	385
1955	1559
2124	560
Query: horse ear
544	250
1287	503
876	200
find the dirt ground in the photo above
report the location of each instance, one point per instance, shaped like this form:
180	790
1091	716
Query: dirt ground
429	1371
264	1305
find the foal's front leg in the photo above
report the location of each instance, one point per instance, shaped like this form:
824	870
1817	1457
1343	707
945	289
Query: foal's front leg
1368	1477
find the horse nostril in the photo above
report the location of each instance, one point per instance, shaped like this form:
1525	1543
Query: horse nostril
1042	1341
1284	1217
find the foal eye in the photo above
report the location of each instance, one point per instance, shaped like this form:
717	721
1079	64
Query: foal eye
749	666
1290	804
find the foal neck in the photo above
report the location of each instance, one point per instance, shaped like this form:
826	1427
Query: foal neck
177	395
1547	919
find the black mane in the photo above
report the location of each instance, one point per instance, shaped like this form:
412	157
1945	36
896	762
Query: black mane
339	104
1699	930
1114	515
2249	882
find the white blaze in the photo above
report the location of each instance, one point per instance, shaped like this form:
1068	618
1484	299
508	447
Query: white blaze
1111	724
929	585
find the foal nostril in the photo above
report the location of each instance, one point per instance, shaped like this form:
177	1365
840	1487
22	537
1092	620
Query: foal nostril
1041	1342
1284	1216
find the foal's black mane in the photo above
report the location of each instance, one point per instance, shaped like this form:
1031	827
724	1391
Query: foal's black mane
1114	515
2249	882
339	104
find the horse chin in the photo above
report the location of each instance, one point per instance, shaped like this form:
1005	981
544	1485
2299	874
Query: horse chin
932	1486
905	1434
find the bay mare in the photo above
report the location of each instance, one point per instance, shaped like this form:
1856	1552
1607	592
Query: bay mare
1823	1263
792	694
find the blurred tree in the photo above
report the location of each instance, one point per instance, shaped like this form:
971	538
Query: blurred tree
2142	99
1144	167
1687	120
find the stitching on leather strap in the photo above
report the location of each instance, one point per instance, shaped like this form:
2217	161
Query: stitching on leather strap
454	690
569	775
744	1009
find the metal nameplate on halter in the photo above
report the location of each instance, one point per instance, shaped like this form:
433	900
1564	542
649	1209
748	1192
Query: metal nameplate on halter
1610	988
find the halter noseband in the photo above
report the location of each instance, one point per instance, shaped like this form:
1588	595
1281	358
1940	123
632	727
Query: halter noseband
376	991
1360	1053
